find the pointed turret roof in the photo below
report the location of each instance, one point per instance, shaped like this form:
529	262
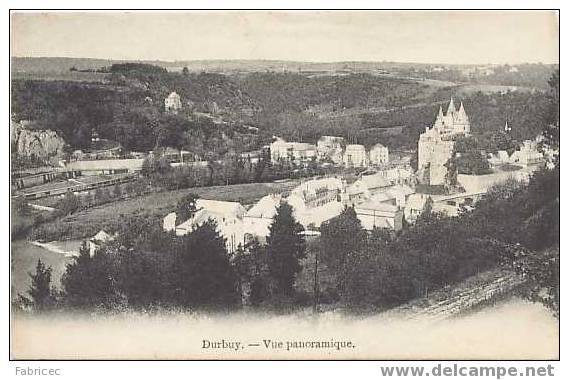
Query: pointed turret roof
451	109
439	119
462	112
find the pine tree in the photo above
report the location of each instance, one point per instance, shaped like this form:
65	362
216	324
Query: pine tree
285	248
40	290
88	281
205	276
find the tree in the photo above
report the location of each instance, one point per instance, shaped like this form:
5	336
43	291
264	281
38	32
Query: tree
205	276
340	236
88	281
468	158
69	204
551	131
185	71
252	268
186	207
551	117
40	289
541	271
285	248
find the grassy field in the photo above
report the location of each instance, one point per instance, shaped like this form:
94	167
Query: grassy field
89	222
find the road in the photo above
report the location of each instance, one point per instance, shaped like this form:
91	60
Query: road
463	297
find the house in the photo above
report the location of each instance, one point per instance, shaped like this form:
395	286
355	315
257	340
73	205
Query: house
254	156
475	186
312	218
365	188
355	156
355	193
378	155
396	195
173	103
259	218
402	175
318	192
282	150
330	148
528	154
313	203
317	201
374	214
174	155
415	205
99	239
369	185
227	215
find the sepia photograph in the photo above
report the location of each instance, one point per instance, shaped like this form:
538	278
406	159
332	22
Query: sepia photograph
284	185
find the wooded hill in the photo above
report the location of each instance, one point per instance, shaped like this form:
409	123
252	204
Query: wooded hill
127	106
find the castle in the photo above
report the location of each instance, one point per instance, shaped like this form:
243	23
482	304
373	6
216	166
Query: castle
436	143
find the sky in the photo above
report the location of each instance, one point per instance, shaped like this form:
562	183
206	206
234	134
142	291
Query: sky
460	37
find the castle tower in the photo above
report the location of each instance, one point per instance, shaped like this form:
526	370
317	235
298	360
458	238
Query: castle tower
436	145
451	109
462	112
462	124
439	122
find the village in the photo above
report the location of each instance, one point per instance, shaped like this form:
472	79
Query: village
386	193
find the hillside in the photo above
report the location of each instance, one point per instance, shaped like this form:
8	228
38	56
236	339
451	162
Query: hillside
127	106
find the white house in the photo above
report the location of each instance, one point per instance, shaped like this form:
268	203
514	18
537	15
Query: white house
227	215
99	239
415	206
374	214
396	195
378	155
399	175
318	192
528	154
330	148
282	150
173	103
313	202
355	156
258	218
